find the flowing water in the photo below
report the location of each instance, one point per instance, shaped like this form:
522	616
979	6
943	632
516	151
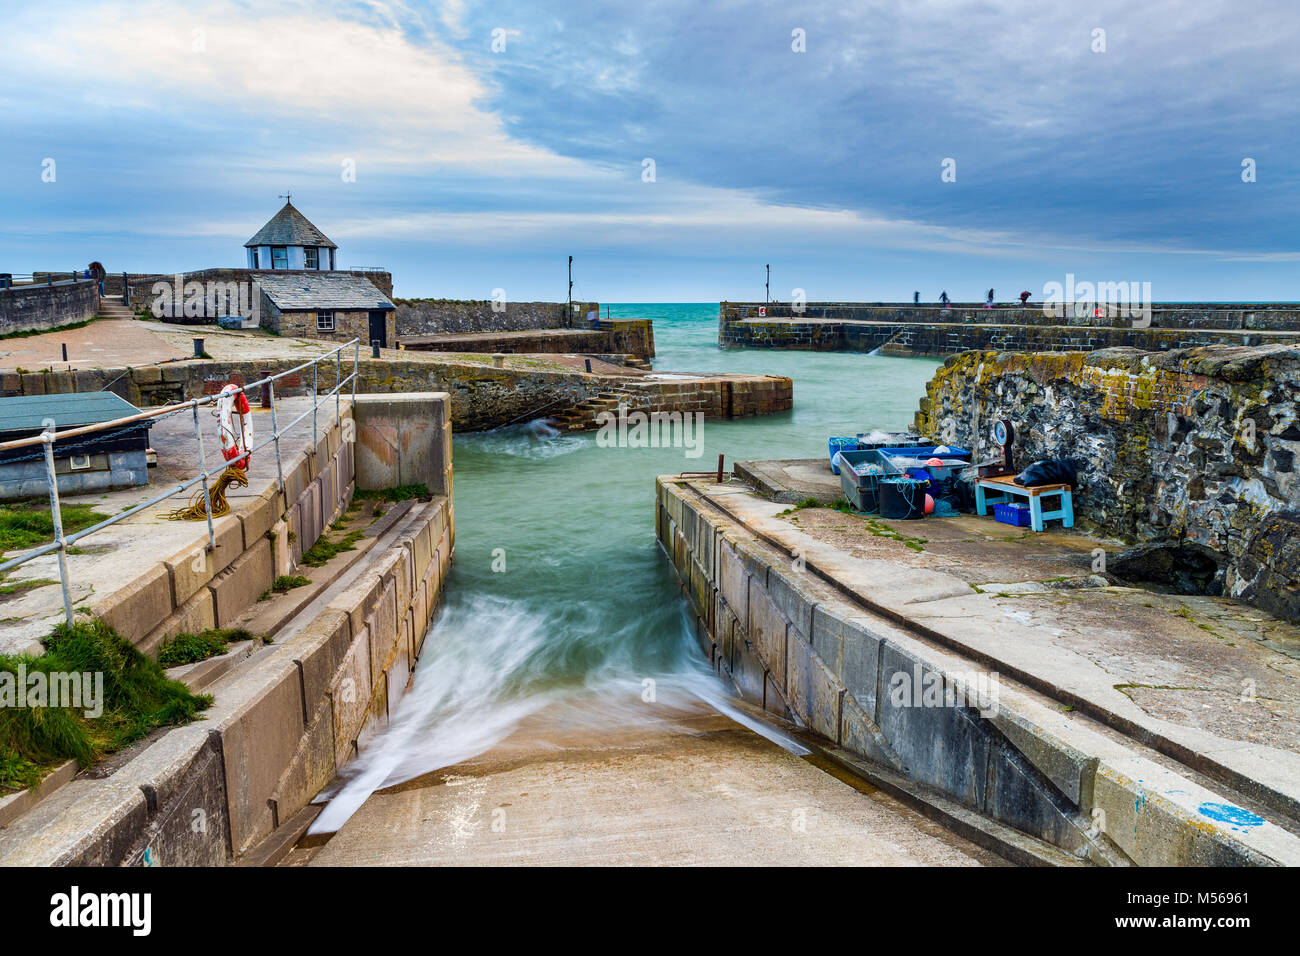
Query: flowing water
559	590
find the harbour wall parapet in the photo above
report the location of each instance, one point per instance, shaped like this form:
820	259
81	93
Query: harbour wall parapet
435	316
610	337
36	308
932	330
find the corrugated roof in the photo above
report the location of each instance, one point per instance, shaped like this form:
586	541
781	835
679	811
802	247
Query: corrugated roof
289	227
310	291
27	413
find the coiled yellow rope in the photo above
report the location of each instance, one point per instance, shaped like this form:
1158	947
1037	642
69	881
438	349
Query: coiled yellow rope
196	511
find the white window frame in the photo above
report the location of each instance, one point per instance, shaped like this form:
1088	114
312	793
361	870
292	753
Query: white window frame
325	315
311	257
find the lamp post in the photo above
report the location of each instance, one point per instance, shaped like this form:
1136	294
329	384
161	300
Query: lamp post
569	316
767	286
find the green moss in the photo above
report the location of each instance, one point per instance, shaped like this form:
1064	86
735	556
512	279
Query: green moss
24	333
325	549
396	493
137	699
18	587
287	582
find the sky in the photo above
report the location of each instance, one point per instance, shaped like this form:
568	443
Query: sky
863	150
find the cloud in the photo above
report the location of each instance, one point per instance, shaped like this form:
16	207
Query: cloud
183	122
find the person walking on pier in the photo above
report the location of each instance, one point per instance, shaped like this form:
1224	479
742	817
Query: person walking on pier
1024	298
988	302
943	297
916	298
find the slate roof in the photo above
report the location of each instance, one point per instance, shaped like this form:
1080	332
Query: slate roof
289	227
311	291
27	412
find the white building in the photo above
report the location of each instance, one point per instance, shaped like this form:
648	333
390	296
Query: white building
290	241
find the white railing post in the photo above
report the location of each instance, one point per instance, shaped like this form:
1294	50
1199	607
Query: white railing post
275	435
57	516
203	472
315	404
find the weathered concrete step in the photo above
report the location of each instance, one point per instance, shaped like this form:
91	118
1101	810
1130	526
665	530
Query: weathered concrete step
200	674
267	617
395	513
16	804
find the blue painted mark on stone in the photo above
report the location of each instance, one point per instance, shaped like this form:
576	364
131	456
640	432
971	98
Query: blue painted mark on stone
1227	813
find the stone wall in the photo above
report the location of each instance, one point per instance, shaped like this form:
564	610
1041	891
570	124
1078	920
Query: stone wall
481	396
1194	445
26	308
348	325
719	397
433	316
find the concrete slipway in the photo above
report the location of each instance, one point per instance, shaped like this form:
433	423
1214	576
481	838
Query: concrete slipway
1096	743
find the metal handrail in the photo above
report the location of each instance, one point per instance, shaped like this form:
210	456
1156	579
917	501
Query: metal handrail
14	280
50	436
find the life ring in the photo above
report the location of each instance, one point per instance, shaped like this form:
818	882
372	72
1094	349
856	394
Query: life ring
232	401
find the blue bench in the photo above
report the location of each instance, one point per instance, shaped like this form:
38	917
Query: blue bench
1005	489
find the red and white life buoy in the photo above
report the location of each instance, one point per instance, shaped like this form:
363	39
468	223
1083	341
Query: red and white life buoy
234	444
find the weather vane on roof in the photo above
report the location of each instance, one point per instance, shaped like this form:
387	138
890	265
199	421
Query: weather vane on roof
287	196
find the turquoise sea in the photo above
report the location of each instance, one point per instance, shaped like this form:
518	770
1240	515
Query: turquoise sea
559	588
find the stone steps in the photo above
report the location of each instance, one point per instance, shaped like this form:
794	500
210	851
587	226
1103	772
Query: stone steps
583	416
112	307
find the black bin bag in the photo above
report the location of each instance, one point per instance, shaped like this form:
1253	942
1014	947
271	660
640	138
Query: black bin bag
1056	471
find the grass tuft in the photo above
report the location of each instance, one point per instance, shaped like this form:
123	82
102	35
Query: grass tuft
28	524
137	699
192	648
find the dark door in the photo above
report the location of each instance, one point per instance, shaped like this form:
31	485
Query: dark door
379	329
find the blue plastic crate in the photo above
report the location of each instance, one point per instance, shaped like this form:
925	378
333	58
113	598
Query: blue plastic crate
1015	514
834	445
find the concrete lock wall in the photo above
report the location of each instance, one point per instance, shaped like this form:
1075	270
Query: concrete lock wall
209	792
36	308
281	726
404	439
1195	445
795	646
